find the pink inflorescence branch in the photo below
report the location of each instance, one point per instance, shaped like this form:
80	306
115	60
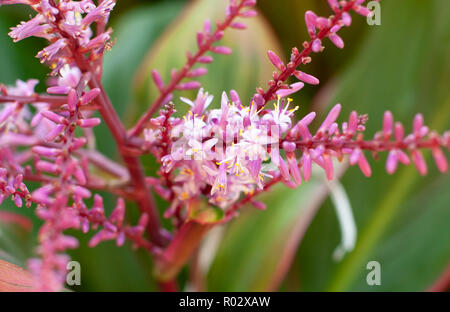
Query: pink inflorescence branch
225	156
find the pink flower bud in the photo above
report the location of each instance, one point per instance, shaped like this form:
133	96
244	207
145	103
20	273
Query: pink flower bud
419	162
189	85
72	100
249	13
54	132
205	59
58	90
388	122
46	151
221	50
364	165
157	79
197	72
306	166
88	123
337	41
259	205
392	162
317	46
440	159
306	78
346	19
276	61
88	97
238	26
294	170
331	118
54	117
310	19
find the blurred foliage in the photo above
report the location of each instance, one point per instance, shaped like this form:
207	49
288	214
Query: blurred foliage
402	65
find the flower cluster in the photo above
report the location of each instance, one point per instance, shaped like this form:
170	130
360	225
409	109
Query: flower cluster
66	25
226	156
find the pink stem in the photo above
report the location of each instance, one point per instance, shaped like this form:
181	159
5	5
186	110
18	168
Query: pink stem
290	69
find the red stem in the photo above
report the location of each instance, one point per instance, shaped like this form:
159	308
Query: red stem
443	282
169	286
143	195
292	66
180	250
205	47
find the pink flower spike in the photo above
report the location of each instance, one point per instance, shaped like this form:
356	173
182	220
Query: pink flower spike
191	85
317	45
88	123
276	61
364	165
331	118
221	50
294	170
388	122
306	78
337	41
419	162
440	159
392	162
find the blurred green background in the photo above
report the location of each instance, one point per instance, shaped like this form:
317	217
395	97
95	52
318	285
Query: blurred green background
403	220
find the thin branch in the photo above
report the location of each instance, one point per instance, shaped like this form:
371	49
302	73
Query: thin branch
165	92
300	57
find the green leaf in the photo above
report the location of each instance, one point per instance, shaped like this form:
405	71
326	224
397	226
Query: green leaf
403	66
244	70
203	213
255	252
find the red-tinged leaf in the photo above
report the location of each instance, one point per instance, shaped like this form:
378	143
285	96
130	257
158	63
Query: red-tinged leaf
14	278
7	217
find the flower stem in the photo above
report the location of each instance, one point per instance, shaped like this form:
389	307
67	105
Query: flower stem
180	250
